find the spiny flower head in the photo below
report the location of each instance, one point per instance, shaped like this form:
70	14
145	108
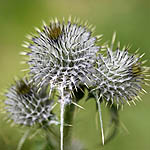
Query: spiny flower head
61	55
119	75
27	107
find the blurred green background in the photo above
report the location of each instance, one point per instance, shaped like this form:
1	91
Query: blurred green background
129	18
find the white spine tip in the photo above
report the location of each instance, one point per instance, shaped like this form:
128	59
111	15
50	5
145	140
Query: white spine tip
23	53
44	23
37	29
113	38
78	105
24	45
28	36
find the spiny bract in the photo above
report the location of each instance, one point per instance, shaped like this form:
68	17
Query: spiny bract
27	107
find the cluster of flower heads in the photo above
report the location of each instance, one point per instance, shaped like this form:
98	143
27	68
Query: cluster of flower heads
65	57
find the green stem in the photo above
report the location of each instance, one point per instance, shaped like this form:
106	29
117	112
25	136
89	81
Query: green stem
68	119
52	141
22	140
100	119
114	120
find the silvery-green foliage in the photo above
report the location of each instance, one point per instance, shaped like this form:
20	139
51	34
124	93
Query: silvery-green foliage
27	107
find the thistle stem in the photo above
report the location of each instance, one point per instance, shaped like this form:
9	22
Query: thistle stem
100	118
62	107
24	137
49	142
51	137
68	118
114	121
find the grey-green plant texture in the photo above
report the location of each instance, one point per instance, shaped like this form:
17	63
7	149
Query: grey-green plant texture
64	59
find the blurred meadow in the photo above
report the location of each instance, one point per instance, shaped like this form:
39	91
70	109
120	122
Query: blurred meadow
130	19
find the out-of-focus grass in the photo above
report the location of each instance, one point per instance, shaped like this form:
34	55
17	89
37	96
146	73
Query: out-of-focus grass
131	21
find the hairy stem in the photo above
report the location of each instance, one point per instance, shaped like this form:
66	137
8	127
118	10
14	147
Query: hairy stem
68	119
62	107
101	121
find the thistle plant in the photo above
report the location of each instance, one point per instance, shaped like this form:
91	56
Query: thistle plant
64	59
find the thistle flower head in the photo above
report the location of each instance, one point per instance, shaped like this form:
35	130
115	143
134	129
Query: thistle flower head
27	107
119	75
61	55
